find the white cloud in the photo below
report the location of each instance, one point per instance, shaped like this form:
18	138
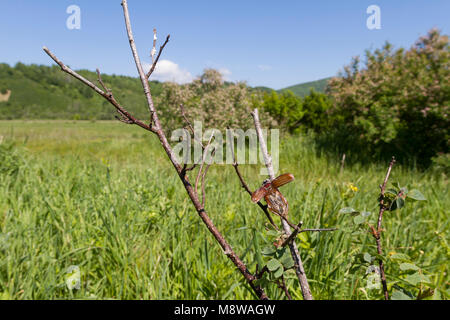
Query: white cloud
264	67
167	70
225	73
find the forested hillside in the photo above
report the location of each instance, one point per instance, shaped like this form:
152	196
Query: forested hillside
41	92
303	89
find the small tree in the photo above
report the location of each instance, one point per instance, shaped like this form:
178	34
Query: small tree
210	100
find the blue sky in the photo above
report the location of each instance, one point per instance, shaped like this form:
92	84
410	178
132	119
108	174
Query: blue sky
267	43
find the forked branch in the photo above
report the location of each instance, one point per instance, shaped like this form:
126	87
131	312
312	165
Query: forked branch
156	128
149	73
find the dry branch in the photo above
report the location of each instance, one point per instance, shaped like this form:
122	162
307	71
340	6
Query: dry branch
243	184
299	270
190	127
149	73
377	233
156	128
297	230
105	95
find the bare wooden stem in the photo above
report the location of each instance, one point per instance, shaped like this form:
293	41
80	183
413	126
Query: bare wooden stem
377	233
244	185
190	127
297	230
282	285
299	270
204	177
200	170
149	73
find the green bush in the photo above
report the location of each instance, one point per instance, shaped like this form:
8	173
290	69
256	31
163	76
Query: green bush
398	103
286	108
316	106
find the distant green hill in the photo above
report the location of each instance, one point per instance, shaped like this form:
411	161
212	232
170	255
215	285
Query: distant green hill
42	92
303	89
263	89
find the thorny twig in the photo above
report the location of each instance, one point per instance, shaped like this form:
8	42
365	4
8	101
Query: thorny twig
153	52
99	78
190	127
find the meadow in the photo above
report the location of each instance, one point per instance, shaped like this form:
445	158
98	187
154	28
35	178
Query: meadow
102	196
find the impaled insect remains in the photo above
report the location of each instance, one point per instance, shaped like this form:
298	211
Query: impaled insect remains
276	202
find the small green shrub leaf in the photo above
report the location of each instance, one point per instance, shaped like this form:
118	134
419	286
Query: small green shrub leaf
400	257
268	251
287	262
365	213
392	191
408	266
279	272
273	265
359	219
400	203
416	195
416	278
398	295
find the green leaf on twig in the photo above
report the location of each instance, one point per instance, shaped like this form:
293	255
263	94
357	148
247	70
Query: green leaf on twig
273	265
408	266
416	195
398	295
416	278
279	272
268	251
400	257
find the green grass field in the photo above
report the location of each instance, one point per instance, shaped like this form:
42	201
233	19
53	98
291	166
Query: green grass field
102	196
